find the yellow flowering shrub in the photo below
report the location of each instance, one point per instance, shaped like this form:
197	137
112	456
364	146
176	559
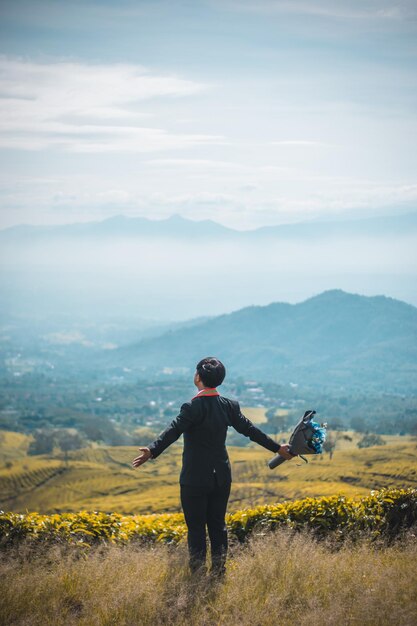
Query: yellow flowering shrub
382	512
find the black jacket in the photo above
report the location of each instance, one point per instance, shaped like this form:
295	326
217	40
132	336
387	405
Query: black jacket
204	422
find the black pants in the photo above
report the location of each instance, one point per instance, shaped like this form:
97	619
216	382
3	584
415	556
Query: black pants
206	506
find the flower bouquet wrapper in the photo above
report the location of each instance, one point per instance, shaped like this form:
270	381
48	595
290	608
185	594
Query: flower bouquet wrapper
307	438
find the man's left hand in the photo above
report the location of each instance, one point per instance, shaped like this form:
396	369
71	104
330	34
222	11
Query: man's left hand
284	451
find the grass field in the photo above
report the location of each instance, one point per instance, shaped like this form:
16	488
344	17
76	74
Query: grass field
255	414
13	445
276	579
103	479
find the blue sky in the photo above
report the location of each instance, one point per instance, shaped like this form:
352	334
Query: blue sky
246	112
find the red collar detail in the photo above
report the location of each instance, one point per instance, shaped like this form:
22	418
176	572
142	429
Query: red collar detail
207	391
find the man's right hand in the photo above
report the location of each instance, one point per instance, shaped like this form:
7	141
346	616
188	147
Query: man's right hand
284	451
142	458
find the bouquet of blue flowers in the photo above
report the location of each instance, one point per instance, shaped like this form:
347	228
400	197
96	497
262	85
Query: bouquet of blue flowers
307	438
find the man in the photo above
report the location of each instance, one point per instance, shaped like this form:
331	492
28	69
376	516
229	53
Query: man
205	478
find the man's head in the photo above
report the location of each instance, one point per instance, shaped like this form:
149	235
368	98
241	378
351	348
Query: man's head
210	372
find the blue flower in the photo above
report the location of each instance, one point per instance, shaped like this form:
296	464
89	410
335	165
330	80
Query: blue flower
318	437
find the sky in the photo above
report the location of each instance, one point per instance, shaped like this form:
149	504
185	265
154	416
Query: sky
247	112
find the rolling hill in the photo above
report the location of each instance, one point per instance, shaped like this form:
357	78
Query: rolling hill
103	479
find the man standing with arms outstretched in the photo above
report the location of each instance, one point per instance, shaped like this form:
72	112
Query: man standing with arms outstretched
206	477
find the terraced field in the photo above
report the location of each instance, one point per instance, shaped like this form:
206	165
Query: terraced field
103	479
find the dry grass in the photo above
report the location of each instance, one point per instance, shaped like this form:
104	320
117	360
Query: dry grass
255	414
276	579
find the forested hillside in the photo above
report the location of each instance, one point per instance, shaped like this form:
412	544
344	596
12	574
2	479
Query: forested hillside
336	339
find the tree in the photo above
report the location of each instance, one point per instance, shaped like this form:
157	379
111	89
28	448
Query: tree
358	423
371	440
118	437
43	442
276	423
149	410
330	444
236	439
68	441
142	435
337	423
345	437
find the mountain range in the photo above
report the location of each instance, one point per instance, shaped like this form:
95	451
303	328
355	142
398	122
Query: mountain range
335	339
182	228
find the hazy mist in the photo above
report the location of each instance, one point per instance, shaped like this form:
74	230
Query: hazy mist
171	280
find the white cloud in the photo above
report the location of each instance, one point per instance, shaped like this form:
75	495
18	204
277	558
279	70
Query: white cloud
88	108
197	164
114	196
352	9
300	142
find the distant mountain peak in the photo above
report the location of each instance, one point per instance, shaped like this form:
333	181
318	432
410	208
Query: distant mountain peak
338	295
176	217
115	218
333	294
